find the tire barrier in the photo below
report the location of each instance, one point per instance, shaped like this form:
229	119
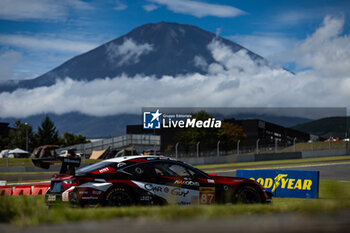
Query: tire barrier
29	189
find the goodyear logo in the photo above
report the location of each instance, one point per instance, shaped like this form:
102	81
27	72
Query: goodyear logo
282	181
285	183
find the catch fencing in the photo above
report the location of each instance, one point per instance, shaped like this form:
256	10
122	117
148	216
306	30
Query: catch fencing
307	148
138	141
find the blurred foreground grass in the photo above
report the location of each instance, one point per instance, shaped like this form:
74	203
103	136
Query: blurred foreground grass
31	210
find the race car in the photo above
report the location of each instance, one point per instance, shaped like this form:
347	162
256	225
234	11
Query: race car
148	180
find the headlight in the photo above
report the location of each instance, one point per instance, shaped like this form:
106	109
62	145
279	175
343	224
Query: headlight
68	181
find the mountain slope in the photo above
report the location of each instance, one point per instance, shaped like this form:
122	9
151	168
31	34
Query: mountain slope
89	126
151	49
100	127
326	127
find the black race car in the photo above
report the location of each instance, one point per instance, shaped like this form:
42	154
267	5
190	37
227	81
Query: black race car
147	180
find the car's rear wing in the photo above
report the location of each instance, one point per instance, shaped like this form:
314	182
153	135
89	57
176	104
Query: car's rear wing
68	163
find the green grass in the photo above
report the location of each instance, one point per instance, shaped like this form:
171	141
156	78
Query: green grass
12	162
31	210
305	146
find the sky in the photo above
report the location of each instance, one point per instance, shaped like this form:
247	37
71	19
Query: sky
308	37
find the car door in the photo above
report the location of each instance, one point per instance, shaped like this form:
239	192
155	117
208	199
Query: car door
187	184
207	189
179	187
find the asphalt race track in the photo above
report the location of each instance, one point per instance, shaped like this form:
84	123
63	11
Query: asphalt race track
338	171
330	170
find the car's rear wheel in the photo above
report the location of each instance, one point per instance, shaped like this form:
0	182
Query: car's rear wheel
119	197
247	195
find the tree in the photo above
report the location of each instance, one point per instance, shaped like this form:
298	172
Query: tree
18	138
188	138
229	134
4	143
71	139
47	133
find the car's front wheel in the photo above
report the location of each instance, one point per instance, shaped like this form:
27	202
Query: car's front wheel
119	197
247	195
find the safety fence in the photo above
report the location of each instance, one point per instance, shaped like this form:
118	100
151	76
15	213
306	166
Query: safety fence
139	141
200	151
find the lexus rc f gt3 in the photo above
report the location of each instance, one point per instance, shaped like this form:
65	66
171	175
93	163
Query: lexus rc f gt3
148	180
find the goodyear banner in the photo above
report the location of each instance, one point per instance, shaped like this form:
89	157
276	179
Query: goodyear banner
285	183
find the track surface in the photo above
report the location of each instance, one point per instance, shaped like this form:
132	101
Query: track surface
329	170
337	171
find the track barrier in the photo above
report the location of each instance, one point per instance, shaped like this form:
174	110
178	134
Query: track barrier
40	189
6	190
22	190
26	189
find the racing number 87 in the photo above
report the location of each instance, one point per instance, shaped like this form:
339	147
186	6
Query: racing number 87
207	195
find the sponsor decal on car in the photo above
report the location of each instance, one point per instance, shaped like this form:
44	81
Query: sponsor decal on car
114	190
105	170
186	182
179	192
153	188
210	181
171	194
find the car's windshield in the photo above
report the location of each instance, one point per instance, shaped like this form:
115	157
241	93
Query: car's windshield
172	169
63	153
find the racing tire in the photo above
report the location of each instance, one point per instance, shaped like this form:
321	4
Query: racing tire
247	195
119	197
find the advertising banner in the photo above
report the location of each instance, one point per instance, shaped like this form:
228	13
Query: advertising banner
285	183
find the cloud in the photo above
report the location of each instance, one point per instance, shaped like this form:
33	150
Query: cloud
200	62
44	43
120	6
8	60
231	61
200	9
233	80
150	7
40	9
128	52
326	51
